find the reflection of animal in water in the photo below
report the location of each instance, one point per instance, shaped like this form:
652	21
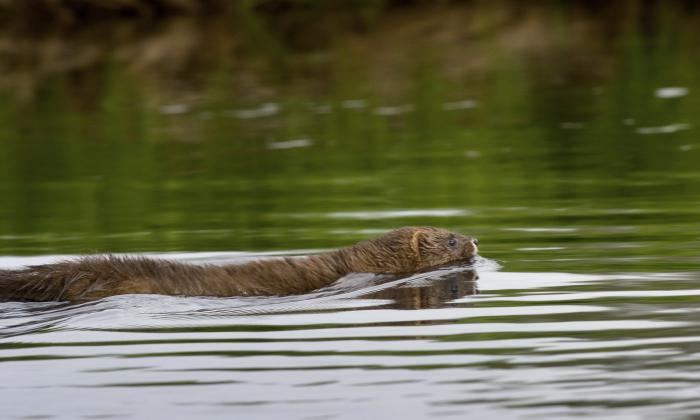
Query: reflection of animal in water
403	250
432	292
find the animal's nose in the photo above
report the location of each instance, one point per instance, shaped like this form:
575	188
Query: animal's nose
475	241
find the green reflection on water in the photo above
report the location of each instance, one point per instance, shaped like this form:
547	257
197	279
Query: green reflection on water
571	139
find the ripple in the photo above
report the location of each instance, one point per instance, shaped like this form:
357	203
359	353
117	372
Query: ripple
664	129
671	92
434	343
394	214
265	110
541	229
290	144
598	295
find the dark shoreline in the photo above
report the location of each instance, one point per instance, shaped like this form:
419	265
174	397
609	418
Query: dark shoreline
266	45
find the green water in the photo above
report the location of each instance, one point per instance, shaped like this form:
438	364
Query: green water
565	141
95	160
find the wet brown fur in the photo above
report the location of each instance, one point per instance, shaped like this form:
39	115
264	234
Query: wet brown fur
403	250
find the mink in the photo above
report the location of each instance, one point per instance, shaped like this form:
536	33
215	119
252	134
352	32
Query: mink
400	251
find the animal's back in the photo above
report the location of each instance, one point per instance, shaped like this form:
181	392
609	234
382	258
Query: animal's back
91	278
28	284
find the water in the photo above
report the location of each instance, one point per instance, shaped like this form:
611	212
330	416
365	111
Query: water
436	344
571	153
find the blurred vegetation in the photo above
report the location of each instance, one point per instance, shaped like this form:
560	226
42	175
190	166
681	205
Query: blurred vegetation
169	125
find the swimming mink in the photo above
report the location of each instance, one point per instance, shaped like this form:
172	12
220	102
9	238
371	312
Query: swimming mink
404	250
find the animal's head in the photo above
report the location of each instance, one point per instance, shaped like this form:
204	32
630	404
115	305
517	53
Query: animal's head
410	249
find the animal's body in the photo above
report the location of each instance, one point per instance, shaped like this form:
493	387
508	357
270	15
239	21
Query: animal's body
403	250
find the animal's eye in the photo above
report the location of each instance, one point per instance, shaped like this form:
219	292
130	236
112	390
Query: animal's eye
452	242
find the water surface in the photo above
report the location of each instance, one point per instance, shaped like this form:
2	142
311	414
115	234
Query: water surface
566	142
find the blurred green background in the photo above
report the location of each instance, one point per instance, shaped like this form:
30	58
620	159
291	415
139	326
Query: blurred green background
558	131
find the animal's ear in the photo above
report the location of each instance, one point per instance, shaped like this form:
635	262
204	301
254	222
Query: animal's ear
416	241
